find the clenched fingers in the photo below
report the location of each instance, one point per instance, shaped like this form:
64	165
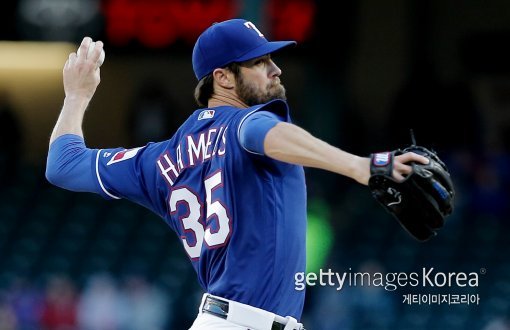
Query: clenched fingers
412	157
83	49
400	168
401	171
96	53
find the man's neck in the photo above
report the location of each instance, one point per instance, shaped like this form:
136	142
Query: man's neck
220	99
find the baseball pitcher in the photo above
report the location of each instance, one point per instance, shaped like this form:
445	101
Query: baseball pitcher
230	182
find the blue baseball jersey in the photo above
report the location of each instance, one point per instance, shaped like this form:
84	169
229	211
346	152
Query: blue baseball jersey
241	216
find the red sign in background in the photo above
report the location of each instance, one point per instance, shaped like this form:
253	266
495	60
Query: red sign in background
160	23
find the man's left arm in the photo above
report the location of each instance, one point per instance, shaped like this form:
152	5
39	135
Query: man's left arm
289	143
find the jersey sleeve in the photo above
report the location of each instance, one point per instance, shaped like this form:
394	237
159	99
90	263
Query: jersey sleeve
254	125
129	174
69	164
112	173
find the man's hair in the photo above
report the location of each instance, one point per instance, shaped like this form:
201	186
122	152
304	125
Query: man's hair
205	87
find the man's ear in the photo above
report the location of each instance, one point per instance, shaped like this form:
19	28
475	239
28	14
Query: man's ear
225	78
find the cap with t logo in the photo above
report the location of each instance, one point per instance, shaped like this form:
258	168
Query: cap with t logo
235	40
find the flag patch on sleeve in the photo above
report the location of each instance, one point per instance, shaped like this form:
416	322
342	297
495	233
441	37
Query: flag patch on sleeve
123	155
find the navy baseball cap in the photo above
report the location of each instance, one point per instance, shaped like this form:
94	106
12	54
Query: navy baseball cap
235	40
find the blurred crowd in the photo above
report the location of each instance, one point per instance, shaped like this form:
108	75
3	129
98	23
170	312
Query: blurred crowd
104	303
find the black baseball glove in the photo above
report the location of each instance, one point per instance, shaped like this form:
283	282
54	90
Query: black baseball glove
420	202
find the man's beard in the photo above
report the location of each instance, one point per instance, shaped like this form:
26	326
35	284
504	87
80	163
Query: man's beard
251	96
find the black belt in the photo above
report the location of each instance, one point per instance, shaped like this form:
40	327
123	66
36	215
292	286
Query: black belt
219	308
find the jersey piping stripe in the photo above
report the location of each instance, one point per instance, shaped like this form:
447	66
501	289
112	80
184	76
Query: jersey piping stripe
99	177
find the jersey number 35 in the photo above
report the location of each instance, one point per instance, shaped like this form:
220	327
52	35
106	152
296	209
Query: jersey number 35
201	231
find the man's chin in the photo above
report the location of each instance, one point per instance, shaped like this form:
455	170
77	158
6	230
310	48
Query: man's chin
274	95
278	93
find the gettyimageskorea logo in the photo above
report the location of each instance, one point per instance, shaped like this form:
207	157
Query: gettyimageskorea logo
426	278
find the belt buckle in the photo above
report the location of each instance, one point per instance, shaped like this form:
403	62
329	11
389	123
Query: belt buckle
279	326
220	308
215	307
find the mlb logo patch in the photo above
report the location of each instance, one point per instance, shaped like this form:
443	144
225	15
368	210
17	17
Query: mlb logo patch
206	114
381	159
123	155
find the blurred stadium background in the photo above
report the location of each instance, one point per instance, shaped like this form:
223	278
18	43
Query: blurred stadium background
363	74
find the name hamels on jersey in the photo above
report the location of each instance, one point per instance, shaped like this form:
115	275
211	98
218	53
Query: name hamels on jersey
191	151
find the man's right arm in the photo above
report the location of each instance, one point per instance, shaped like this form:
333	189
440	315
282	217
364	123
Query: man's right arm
81	77
68	164
71	118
